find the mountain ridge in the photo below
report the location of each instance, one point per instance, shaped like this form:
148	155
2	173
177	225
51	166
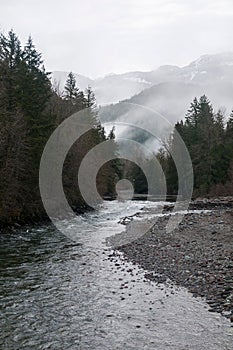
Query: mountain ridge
207	69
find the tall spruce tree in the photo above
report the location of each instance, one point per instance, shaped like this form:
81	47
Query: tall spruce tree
210	145
71	90
25	92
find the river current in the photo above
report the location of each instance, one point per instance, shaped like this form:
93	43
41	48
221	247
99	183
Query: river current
60	294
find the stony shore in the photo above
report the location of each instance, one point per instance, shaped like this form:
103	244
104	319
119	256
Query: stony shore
197	255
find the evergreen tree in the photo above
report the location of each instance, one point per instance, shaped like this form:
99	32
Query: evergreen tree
10	52
31	57
71	90
210	146
228	142
90	98
29	111
199	138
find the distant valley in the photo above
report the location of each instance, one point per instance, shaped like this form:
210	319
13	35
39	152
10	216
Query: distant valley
168	90
210	74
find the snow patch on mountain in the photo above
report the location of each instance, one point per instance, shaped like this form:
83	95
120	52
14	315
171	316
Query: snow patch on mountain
208	69
138	80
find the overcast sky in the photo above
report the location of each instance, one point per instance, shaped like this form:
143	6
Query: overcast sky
97	37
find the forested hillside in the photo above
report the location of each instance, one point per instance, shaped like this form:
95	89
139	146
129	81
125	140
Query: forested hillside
209	138
210	74
30	109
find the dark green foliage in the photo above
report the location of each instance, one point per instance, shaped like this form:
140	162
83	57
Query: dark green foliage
29	112
71	90
138	179
210	145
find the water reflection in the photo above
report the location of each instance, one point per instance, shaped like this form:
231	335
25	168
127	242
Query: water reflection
60	294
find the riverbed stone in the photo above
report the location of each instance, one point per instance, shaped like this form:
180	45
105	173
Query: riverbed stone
198	254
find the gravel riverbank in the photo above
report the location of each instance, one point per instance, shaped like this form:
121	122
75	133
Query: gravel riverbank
197	255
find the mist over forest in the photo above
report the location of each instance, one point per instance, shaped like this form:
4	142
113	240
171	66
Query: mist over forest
31	107
116	175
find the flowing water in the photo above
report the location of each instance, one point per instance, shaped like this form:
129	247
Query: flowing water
62	294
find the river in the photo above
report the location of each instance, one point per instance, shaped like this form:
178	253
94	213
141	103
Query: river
62	294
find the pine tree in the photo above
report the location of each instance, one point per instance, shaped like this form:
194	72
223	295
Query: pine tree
205	137
10	53
71	90
26	90
229	128
90	98
228	141
29	111
31	57
199	138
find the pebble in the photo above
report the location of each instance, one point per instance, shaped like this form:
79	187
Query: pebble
190	256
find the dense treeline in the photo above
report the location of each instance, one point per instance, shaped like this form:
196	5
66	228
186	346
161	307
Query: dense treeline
30	109
208	137
209	140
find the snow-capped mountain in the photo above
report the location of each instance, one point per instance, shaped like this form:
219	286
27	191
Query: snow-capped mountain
109	89
207	70
174	88
168	91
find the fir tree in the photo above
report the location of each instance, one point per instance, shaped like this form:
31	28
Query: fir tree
71	90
